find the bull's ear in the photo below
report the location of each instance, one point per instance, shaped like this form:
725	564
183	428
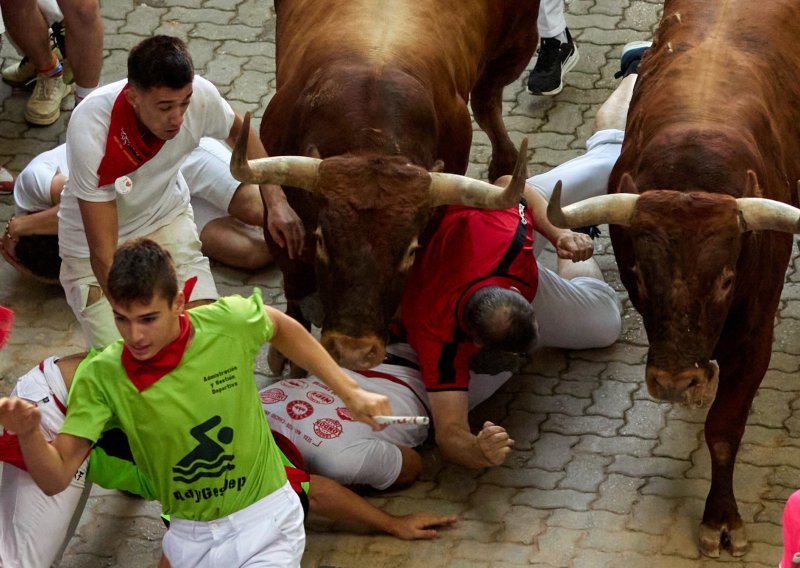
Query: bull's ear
312	152
438	166
627	185
753	189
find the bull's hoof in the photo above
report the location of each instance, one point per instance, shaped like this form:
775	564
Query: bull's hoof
276	361
738	542
712	539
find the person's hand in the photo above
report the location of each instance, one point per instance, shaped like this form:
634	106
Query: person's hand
419	525
494	442
364	405
286	228
18	416
9	244
574	246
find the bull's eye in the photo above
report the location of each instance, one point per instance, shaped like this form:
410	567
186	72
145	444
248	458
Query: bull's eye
411	253
322	253
727	283
641	287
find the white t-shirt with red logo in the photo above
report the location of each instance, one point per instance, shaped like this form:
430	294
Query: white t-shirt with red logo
317	421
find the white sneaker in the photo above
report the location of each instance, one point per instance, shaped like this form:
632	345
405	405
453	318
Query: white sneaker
44	106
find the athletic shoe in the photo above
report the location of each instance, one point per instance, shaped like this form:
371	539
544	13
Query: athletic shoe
44	106
20	73
554	61
23	72
6	181
631	56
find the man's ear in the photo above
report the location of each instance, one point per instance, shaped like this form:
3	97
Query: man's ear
132	96
179	303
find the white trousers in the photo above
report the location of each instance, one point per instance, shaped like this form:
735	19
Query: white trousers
551	20
97	320
582	313
34	527
266	534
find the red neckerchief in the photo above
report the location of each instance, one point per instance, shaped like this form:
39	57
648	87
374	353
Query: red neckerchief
144	374
10	452
126	150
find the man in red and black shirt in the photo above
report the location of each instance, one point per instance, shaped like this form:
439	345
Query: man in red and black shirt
471	288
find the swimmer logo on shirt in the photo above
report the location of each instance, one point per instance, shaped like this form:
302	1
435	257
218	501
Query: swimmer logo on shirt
208	459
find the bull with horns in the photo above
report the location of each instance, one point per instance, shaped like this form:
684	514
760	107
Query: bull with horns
371	117
702	211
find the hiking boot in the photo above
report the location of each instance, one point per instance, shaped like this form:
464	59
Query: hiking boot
44	106
631	56
554	61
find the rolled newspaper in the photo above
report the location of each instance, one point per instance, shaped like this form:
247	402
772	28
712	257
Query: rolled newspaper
401	419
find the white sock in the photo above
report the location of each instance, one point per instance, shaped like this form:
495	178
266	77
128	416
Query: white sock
562	37
81	92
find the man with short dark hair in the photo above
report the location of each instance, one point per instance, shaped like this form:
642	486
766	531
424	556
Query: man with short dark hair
125	145
180	385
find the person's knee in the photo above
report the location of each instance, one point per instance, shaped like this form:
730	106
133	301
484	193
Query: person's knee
604	323
81	12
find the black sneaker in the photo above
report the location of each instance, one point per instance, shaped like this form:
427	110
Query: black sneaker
554	61
632	54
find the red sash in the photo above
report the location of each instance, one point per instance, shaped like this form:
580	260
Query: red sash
126	150
144	374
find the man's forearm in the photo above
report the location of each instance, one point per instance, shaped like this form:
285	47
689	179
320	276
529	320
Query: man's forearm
101	265
44	463
538	206
460	446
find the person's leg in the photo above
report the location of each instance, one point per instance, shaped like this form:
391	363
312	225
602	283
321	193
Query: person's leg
229	241
84	43
581	313
27	27
180	238
613	113
247	206
557	50
551	22
90	306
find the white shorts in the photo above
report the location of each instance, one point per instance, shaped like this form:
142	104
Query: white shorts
34	528
211	186
97	320
268	533
582	313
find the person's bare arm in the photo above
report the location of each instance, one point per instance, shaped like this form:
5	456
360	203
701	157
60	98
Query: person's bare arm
568	244
292	339
454	438
52	466
411	468
282	222
330	499
102	231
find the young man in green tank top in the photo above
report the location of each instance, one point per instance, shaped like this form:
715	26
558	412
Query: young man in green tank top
180	384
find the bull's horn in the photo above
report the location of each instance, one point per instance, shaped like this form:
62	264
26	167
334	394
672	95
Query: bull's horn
294	171
759	214
451	189
614	209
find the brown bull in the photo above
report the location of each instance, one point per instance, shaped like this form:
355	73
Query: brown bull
713	127
379	91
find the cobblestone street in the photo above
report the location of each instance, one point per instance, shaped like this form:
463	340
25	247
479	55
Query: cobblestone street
601	475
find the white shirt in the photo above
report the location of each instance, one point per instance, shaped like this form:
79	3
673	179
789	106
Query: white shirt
159	194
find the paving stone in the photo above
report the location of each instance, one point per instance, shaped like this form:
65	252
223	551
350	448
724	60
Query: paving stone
601	474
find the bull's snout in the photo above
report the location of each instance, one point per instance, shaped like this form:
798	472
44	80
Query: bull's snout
354	352
695	386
